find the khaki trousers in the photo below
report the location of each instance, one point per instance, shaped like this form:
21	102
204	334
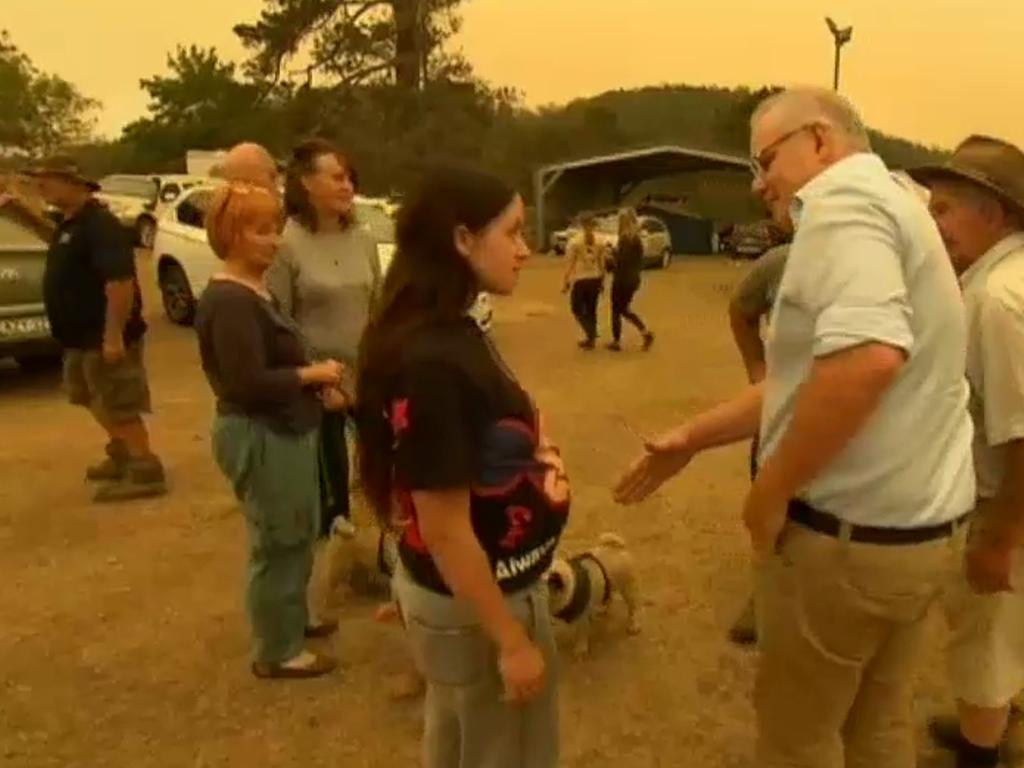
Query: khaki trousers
841	630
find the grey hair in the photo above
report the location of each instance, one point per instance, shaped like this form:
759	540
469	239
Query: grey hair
982	198
809	105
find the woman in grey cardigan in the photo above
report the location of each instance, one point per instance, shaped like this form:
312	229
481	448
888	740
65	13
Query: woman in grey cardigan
324	277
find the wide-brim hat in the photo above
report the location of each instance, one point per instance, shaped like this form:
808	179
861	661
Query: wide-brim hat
990	163
63	168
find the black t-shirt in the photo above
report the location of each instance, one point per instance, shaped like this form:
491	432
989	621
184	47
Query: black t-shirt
251	355
87	251
461	420
629	259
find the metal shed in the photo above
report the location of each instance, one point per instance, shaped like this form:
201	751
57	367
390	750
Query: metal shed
562	189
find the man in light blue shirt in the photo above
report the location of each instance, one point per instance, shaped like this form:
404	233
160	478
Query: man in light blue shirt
865	471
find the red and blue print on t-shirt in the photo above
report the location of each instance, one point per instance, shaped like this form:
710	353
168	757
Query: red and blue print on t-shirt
519	504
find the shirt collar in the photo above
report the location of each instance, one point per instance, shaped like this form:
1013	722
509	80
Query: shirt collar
994	255
861	163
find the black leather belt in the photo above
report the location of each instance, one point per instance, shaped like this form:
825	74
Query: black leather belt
822	522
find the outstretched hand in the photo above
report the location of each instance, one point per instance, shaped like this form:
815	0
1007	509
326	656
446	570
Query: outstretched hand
663	458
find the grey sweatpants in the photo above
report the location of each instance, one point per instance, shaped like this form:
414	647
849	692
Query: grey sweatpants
275	477
467	723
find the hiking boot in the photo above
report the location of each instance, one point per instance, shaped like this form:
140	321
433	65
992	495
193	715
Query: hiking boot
648	340
142	479
112	467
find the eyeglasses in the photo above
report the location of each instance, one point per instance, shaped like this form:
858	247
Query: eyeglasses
761	163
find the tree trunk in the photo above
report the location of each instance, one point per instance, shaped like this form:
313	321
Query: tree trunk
408	44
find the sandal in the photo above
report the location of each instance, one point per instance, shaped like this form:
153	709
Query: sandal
320	666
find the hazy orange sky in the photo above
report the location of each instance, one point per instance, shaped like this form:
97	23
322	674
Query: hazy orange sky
932	70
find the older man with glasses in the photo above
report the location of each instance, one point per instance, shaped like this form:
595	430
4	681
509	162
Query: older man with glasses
978	204
865	472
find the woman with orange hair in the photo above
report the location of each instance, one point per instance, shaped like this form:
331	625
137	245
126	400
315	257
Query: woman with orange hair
265	435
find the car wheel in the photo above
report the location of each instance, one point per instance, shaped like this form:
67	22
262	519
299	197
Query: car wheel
666	259
145	233
176	293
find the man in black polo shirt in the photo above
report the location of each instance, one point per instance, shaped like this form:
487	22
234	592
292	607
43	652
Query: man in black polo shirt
95	311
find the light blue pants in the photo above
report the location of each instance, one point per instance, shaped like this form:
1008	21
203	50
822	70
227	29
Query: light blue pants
275	477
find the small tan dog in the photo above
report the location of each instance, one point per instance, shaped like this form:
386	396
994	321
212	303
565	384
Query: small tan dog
581	588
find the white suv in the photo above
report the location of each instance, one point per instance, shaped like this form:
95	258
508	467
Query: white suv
185	261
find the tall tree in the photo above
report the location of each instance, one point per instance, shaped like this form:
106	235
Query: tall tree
354	42
42	112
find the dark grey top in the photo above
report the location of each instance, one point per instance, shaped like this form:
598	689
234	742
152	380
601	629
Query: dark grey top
250	356
755	295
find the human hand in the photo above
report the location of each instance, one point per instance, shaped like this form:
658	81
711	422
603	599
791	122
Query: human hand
664	457
326	372
990	564
334	399
522	670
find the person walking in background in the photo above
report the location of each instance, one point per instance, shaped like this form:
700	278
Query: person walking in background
629	264
978	203
451	443
749	308
584	278
324	278
865	479
94	307
265	434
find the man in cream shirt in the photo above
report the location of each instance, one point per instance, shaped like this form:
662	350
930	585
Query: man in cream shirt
978	204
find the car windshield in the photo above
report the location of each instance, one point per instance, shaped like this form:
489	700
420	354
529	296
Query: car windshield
376	222
129	186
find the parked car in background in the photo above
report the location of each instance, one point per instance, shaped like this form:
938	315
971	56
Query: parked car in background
748	241
24	328
133	200
139	200
185	261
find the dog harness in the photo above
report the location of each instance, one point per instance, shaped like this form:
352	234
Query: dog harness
583	587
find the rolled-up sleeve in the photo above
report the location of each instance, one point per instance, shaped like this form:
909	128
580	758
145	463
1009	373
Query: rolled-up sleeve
1001	324
852	278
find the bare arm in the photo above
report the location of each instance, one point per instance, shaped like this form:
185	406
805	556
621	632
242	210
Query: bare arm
120	298
726	423
1007	513
840	395
746	332
445	525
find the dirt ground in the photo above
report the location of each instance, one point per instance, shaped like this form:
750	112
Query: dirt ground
122	636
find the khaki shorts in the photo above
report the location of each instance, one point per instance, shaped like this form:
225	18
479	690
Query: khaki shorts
986	644
117	393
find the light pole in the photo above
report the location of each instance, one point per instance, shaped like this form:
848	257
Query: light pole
842	37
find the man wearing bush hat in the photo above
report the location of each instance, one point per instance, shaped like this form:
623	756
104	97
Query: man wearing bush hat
95	310
977	199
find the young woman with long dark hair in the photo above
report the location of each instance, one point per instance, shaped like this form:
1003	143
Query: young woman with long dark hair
454	457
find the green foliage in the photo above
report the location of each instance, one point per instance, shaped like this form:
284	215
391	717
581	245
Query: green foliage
373	76
41	112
